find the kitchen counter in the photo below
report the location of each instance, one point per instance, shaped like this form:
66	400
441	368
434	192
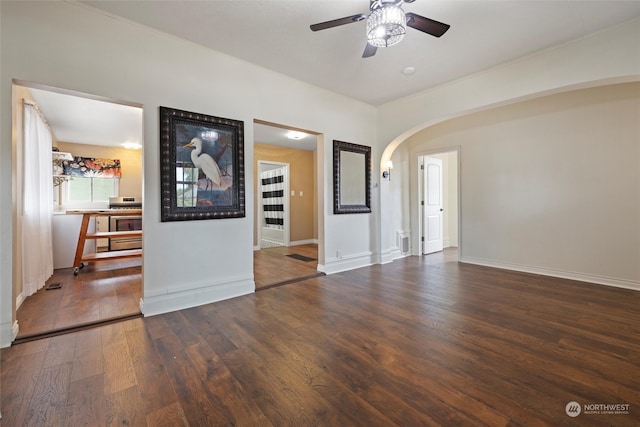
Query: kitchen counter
109	212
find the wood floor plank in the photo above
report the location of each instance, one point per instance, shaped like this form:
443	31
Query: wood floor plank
47	406
150	371
85	402
168	416
125	408
61	350
88	355
221	384
334	375
119	373
198	408
306	367
282	399
19	382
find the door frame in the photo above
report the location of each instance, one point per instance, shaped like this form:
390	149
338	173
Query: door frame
421	190
17	298
429	211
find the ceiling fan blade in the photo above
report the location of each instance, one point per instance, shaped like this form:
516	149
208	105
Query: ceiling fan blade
337	22
369	50
426	25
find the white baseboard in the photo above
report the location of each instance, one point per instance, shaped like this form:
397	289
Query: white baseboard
390	254
187	297
303	242
589	278
8	333
386	256
19	300
294	243
345	263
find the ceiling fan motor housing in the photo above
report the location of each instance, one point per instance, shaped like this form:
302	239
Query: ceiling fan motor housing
386	25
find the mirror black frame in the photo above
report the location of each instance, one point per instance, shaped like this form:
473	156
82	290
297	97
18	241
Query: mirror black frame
338	207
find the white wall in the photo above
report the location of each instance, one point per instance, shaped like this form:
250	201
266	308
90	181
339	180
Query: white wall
551	185
611	55
607	57
70	46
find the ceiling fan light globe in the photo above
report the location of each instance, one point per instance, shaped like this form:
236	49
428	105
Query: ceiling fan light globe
386	26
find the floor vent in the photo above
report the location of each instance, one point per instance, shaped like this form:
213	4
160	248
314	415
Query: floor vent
52	286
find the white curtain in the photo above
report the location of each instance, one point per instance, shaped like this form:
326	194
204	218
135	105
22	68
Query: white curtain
37	198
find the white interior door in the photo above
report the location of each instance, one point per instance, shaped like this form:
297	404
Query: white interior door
432	206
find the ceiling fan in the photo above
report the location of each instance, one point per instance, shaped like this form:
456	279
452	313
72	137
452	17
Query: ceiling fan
387	24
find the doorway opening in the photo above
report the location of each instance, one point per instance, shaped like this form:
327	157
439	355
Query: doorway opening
286	218
96	146
439	196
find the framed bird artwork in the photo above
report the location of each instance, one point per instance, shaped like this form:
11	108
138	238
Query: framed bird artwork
201	166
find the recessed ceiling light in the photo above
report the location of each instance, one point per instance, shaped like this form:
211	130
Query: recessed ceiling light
409	71
296	135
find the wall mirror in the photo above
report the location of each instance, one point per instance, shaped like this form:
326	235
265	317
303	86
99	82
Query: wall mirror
351	178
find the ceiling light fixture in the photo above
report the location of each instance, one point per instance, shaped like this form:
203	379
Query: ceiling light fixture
132	145
386	26
409	71
295	135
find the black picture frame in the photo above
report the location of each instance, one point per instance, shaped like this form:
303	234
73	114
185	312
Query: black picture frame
205	179
351	178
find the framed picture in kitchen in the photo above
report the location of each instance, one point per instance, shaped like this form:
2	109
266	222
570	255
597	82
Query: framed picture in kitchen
201	166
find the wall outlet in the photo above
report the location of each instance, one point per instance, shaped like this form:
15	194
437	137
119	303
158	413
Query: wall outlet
293	193
301	194
338	254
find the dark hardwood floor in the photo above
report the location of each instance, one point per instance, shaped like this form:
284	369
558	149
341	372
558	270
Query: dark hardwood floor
421	341
273	266
101	291
112	289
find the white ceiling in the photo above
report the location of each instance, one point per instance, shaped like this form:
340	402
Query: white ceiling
88	121
81	120
275	34
271	135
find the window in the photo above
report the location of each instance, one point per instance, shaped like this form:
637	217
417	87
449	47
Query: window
93	181
187	185
90	190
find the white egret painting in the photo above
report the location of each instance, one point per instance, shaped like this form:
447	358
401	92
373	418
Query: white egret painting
202	166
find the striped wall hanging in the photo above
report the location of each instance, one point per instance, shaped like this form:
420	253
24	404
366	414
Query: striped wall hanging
273	197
